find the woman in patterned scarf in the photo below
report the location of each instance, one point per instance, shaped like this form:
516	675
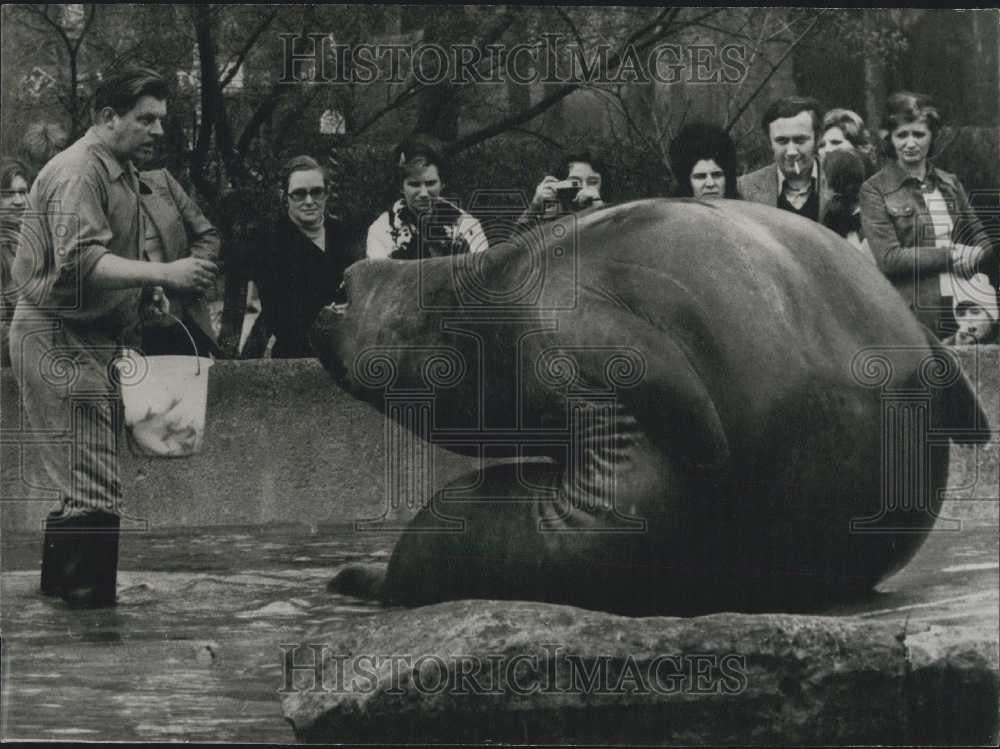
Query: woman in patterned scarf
421	223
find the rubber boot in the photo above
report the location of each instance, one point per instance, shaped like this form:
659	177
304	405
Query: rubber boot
90	560
52	551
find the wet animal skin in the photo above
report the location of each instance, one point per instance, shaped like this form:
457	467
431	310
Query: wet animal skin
717	406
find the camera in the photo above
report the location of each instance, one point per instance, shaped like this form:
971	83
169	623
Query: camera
566	191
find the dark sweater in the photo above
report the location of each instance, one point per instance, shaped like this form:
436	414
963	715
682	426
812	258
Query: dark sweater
296	279
809	209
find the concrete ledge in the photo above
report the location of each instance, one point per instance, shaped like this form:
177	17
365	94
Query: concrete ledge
284	444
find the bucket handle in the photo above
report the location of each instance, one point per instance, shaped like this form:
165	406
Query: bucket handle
194	345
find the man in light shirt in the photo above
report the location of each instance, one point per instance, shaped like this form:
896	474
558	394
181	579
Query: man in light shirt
84	285
794	182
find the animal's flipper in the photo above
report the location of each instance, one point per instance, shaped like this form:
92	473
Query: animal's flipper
657	379
360	581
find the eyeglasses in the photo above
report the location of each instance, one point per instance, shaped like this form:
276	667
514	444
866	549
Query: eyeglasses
314	192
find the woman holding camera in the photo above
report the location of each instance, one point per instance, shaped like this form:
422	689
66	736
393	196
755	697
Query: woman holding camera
578	190
421	223
917	218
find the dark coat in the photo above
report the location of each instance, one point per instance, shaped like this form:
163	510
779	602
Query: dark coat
296	280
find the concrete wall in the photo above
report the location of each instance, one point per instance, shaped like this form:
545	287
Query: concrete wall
283	444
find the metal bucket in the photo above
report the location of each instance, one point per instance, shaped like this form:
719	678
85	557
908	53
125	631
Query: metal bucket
165	399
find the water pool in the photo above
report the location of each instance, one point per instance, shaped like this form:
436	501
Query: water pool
192	652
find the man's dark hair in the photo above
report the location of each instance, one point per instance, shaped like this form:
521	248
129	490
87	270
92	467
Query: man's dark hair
789	106
417	151
122	90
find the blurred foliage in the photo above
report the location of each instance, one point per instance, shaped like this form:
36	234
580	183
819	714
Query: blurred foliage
878	31
972	153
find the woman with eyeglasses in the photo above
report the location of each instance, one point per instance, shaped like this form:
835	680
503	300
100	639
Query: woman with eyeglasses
421	223
299	266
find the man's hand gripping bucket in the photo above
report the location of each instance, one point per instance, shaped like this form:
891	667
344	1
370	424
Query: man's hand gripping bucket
165	401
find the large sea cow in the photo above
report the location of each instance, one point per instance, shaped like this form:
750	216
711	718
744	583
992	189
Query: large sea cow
716	406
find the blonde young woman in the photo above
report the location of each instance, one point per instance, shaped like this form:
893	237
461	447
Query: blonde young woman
917	219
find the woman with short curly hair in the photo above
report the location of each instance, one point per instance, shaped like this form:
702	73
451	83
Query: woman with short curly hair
703	159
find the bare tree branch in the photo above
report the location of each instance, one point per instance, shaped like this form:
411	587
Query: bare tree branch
270	102
544	139
749	63
295	114
727	32
821	14
234	64
519	118
32	11
572	25
504	22
70	103
406	95
202	145
617	102
91	15
655	30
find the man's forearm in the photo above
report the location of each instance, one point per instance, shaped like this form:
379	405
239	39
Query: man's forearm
113	272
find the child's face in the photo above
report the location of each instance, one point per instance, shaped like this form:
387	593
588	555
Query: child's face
973	320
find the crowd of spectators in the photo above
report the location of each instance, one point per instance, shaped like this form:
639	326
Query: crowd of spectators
882	193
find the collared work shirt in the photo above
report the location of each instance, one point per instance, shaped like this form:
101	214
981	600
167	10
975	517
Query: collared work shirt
83	204
66	332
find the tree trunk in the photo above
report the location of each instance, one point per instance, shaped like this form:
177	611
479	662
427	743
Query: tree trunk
440	104
233	310
875	89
